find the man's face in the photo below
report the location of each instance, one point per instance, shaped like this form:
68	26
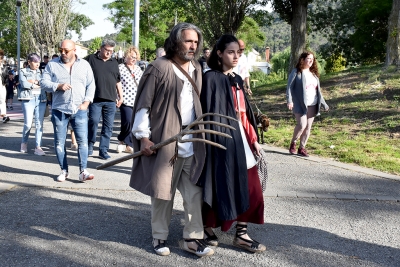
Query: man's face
242	47
46	60
207	53
67	51
106	52
188	47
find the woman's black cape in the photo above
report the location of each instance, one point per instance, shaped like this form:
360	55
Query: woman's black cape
224	177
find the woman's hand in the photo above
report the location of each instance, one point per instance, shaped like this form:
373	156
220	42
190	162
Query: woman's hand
257	148
290	106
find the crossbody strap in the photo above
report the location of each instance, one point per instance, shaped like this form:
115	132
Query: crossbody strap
187	76
133	75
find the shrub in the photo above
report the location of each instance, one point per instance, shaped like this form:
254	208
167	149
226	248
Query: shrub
334	63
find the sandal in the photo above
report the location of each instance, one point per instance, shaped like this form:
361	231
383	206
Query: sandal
211	240
160	248
202	249
252	246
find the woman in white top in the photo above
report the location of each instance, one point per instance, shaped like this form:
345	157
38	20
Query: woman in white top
305	99
130	77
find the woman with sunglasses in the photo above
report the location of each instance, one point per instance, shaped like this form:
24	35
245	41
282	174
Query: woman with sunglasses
33	103
130	77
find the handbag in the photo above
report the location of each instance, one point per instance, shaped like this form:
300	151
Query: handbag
262	169
250	160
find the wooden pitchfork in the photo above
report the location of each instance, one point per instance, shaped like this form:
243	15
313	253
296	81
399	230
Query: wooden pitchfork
178	138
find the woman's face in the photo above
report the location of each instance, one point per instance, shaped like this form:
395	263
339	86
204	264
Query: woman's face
230	56
33	65
131	59
308	61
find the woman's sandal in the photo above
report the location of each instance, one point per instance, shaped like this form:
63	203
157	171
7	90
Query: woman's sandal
202	249
160	248
252	246
211	240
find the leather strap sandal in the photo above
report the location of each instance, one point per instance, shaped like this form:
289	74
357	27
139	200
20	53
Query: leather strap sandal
160	247
252	246
211	240
202	249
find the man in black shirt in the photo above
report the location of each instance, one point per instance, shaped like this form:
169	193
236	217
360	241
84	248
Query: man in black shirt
203	60
107	97
43	64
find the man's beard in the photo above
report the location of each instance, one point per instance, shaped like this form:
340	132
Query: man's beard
184	55
66	59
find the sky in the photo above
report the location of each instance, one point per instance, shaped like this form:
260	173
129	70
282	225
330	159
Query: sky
94	10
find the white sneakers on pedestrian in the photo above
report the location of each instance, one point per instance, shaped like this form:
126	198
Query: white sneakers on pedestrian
39	151
74	147
85	175
24	148
63	175
120	147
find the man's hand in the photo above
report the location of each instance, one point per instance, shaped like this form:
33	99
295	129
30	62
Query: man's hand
145	145
84	105
64	87
248	91
119	102
290	106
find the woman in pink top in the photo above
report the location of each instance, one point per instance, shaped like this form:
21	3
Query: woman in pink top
305	99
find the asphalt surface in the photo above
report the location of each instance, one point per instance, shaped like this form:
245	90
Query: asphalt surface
318	212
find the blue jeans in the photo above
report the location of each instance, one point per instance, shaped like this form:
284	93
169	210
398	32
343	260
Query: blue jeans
30	108
107	111
79	123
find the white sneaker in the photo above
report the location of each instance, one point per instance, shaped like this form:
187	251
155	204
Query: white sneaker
120	147
39	151
74	147
63	175
85	175
24	147
128	149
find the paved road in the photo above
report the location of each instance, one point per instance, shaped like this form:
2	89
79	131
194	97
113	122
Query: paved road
318	213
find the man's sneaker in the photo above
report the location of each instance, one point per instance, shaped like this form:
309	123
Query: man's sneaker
104	155
63	175
302	152
24	148
292	148
39	151
90	150
6	119
201	251
160	248
120	147
74	147
11	107
85	176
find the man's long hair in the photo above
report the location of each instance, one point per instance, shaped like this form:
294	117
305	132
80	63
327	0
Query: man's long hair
174	42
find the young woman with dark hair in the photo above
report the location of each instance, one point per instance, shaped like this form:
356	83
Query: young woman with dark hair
304	97
232	190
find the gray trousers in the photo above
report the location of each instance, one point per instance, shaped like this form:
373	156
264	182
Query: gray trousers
161	210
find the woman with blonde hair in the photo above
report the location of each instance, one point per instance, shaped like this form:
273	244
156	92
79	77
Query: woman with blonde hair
304	97
130	77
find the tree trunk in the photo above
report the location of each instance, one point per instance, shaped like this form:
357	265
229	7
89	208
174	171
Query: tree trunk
299	31
393	41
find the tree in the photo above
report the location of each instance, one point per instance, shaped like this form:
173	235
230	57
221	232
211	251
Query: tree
218	17
251	33
294	12
393	41
95	45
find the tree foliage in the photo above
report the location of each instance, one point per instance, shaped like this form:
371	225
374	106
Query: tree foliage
95	45
357	29
251	33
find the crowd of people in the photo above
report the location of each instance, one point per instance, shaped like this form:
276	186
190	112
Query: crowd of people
219	187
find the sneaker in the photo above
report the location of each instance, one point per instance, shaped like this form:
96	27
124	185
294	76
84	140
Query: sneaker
128	149
302	152
63	175
6	119
292	148
11	108
39	151
8	107
90	150
85	176
104	155
201	251
160	248
24	148
120	147
74	147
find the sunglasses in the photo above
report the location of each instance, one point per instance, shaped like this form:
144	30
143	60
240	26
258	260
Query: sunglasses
66	51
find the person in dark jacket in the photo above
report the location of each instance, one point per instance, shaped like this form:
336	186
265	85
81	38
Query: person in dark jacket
304	97
231	186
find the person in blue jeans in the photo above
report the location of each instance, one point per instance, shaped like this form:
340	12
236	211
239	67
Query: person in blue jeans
71	81
33	103
108	96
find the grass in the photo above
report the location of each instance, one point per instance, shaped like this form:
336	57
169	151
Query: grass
362	126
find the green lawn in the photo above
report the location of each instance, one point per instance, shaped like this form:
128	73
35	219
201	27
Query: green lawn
362	126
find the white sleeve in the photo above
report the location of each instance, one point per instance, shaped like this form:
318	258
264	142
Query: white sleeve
141	125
